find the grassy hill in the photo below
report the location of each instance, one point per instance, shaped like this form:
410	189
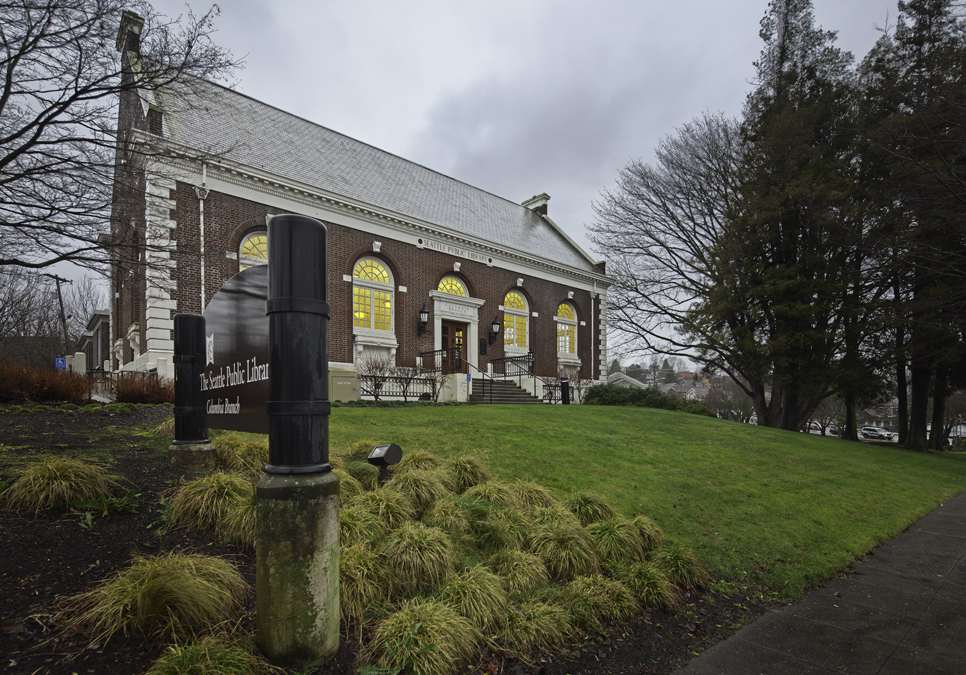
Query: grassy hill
770	507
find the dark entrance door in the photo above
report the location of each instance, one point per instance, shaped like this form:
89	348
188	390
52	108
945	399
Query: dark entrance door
454	342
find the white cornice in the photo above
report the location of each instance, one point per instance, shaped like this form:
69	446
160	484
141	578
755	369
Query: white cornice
234	173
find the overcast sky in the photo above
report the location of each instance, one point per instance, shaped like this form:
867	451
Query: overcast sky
517	97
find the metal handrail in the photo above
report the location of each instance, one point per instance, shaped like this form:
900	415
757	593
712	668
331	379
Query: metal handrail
485	375
524	366
441	354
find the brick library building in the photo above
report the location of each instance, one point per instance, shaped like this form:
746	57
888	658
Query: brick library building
423	270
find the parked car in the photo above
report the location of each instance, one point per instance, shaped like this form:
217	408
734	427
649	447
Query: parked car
875	432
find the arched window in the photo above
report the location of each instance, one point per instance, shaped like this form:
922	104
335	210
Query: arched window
566	330
253	250
516	318
453	286
372	293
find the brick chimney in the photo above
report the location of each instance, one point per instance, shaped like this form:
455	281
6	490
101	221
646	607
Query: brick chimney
538	203
129	33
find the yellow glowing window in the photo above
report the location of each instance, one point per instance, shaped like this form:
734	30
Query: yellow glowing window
566	329
371	295
514	320
453	286
371	270
254	250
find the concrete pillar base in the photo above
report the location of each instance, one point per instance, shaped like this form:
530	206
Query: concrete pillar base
297	568
194	457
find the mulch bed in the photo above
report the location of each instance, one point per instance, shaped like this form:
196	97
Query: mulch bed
47	558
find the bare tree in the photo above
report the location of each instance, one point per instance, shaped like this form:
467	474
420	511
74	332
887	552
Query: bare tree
63	70
373	373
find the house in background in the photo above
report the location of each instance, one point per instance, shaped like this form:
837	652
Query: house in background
418	262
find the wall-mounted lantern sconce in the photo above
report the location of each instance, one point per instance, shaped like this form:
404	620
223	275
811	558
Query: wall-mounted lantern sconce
494	329
423	320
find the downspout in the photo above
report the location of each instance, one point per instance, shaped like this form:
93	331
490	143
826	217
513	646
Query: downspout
594	335
202	192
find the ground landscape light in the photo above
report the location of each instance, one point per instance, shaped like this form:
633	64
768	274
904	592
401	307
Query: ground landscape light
383	456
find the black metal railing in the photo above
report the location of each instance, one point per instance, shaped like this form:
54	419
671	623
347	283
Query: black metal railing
406	388
518	367
447	360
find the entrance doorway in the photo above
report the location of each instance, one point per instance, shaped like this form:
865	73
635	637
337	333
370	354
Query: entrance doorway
454	342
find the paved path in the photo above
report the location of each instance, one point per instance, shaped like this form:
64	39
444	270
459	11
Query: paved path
903	612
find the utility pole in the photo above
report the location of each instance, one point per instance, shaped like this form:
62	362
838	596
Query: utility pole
63	315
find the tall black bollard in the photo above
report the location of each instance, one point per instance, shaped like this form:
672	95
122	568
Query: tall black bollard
191	448
297	528
565	391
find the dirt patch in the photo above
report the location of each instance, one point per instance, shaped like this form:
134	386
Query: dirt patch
45	559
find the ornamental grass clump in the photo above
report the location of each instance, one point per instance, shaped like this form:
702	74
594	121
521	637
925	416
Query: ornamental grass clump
203	503
365	584
165	429
467	471
521	572
595	601
533	496
417	459
420	557
494	493
476	593
248	457
449	514
565	549
425	636
54	484
391	506
367	474
618	541
589	508
211	656
680	566
651	534
651	587
500	529
529	626
349	487
175	596
422	486
358	526
237	522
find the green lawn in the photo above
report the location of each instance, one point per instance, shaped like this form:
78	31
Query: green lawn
783	509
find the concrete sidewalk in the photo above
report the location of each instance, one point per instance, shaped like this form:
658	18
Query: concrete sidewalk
903	612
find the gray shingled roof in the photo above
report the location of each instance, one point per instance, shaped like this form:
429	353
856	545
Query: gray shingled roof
287	146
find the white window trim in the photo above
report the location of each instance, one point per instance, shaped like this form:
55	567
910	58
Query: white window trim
376	336
568	358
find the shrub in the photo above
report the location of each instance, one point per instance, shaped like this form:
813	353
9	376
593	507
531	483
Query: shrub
19	382
424	636
54	484
203	502
595	601
589	508
177	596
680	566
477	594
696	409
612	394
565	549
143	388
419	556
617	540
210	656
530	626
650	585
391	506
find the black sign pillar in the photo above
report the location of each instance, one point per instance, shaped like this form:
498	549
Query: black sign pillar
297	521
298	391
191	448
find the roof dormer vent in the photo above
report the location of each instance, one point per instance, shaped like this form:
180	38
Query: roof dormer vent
538	203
